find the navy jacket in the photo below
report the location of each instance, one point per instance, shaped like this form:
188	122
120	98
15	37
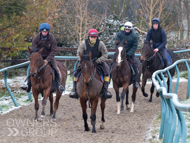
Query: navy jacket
160	45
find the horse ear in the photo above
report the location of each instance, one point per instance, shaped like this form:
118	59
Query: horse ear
80	56
116	42
125	43
90	56
40	51
29	50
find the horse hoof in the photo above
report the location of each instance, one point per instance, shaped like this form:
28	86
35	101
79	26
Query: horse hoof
122	111
150	100
118	111
132	111
145	95
157	94
102	127
87	129
42	118
94	131
127	107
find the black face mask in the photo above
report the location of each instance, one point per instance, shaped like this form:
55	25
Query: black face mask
43	38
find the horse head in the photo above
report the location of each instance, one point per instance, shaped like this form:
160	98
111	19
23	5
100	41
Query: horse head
36	60
147	50
120	51
87	67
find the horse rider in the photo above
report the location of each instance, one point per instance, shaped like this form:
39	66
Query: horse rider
46	40
100	53
126	33
158	36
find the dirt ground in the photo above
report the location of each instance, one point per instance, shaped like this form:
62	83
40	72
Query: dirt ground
19	125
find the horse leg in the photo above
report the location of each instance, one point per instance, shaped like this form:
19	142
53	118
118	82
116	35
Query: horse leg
51	104
122	98
36	105
151	91
85	117
102	105
133	99
116	88
144	79
127	102
44	101
56	104
93	113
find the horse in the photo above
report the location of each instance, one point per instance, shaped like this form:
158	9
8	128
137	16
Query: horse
151	63
121	75
88	87
42	76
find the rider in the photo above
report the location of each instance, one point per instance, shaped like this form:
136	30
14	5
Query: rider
100	53
46	40
126	33
158	36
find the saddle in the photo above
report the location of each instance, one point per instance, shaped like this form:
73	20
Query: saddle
168	58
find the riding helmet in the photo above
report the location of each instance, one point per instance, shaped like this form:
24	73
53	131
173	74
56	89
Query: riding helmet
44	27
93	32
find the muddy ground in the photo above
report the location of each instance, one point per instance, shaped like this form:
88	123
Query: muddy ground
19	125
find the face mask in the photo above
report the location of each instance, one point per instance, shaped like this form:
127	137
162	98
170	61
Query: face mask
93	41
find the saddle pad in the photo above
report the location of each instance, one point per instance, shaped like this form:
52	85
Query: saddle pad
169	59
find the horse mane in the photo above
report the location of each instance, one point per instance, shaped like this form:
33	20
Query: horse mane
85	57
36	48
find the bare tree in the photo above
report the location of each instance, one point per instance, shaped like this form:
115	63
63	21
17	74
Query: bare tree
80	16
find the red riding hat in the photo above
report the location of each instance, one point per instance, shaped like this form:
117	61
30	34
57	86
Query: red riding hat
93	32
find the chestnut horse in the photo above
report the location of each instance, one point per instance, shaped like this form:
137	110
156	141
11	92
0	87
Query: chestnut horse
121	75
152	63
41	80
88	88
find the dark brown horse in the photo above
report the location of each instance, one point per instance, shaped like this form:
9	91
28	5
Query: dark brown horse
121	75
89	87
152	63
41	80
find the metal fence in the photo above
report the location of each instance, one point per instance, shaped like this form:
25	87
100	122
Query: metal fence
170	105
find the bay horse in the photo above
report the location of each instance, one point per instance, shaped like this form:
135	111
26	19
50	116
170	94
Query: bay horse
88	87
121	75
42	76
152	63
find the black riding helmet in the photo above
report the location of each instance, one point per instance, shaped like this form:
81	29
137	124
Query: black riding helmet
156	21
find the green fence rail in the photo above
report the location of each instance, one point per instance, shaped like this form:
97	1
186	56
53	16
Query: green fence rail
170	105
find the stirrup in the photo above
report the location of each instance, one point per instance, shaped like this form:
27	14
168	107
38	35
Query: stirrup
74	95
107	95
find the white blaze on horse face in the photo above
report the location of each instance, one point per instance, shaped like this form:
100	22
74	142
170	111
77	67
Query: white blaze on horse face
119	56
85	65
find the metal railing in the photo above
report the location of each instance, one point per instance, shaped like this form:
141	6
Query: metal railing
170	105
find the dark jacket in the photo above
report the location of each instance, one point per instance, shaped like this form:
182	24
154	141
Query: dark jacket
132	41
158	37
49	46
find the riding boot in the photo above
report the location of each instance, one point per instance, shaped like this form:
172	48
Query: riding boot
28	87
74	94
105	93
165	65
136	84
57	79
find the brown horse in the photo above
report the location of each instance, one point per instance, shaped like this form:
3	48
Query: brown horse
88	88
42	79
121	75
152	63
